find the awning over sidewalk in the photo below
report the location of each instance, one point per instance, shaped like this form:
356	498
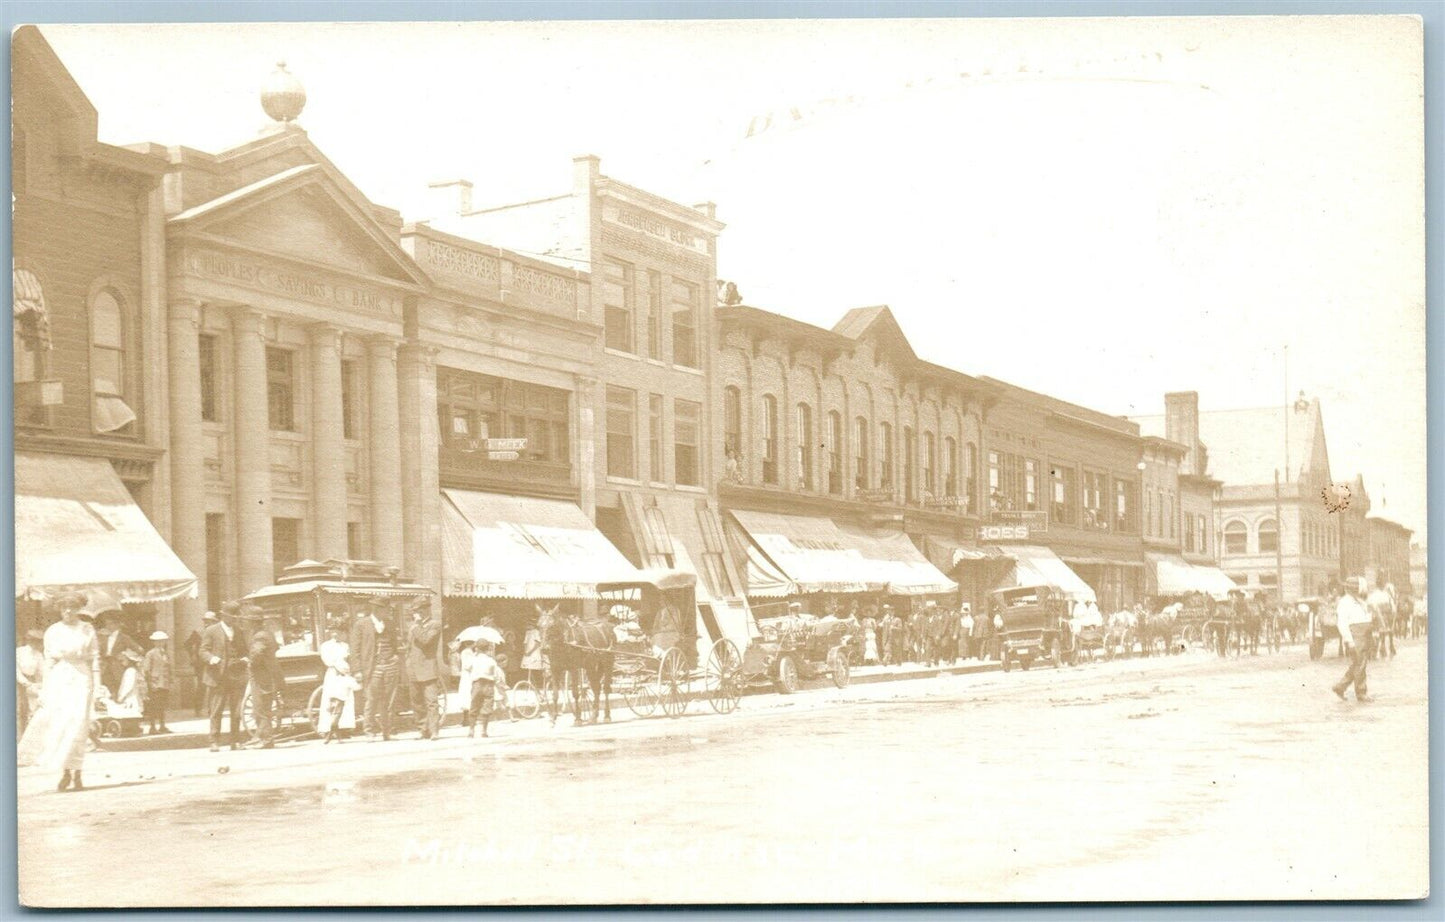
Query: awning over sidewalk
1174	575
1039	566
517	547
794	554
77	527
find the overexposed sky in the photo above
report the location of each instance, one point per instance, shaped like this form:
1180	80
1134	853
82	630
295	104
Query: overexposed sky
1103	209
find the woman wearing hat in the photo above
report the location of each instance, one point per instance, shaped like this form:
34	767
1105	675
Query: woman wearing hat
131	692
57	735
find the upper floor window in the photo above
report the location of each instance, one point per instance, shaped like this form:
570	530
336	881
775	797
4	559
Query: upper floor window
970	474
930	465
1236	538
805	446
617	294
860	445
1031	484
654	314
621	432
31	337
835	452
1095	513
1201	535
1124	504
655	471
950	477
685	305
910	461
109	371
1064	501
210	381
732	422
885	456
1269	536
281	388
770	439
687	441
350	425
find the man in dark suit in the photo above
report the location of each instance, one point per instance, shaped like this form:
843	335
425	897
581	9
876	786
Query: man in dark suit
425	668
223	659
265	676
114	643
376	664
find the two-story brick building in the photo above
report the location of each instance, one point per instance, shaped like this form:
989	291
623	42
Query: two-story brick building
91	430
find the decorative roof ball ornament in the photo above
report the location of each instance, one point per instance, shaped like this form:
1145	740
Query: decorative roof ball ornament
283	97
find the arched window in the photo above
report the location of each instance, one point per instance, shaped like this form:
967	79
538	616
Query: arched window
1236	538
733	422
861	439
835	452
1201	535
950	482
930	465
1269	536
108	358
885	456
910	463
770	439
970	473
32	342
804	437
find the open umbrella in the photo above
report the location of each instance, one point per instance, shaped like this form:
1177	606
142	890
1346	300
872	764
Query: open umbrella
97	602
480	632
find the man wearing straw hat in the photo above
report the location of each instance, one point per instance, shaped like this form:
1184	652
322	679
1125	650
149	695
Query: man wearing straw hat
1354	621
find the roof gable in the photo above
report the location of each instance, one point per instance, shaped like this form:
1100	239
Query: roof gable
880	324
1246	447
302	212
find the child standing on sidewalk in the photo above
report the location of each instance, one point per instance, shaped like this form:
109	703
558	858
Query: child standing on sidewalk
156	668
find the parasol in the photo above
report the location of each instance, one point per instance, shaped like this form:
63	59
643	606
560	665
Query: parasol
98	602
480	632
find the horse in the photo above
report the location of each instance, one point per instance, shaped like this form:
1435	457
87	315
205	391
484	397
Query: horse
577	652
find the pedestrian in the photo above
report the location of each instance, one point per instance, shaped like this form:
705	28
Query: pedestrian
338	688
532	651
198	667
266	683
29	676
114	642
1381	605
1353	620
482	682
425	666
59	730
223	653
870	640
997	637
376	661
980	636
130	696
156	668
965	632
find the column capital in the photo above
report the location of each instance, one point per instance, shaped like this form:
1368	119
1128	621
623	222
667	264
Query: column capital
324	335
421	353
248	320
381	346
186	310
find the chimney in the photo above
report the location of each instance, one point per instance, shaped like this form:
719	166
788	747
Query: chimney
585	170
707	208
1181	424
452	197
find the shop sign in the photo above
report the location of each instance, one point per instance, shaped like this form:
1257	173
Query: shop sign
506	444
288	282
502	456
1003	533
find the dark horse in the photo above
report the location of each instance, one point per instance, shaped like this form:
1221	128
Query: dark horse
578	653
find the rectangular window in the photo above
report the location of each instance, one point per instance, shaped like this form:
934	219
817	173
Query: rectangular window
951	483
354	547
285	544
215	560
617	294
1095	513
621	429
1148	510
1064	501
804	425
1031	485
281	389
995	482
349	426
685	306
1124	507
206	344
1159	513
654	314
472	408
654	439
687	439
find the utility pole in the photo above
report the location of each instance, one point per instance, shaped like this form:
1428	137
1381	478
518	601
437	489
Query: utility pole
1278	543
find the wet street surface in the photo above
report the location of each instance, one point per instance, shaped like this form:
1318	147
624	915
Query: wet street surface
1180	779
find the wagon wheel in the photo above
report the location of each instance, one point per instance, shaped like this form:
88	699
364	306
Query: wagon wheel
787	674
641	699
313	710
112	727
522	700
671	683
724	676
586	704
248	714
838	667
1190	635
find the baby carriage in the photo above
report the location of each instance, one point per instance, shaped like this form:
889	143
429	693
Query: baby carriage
111	718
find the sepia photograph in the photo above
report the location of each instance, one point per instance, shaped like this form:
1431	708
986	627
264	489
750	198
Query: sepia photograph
720	462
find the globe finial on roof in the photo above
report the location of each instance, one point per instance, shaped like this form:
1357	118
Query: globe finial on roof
282	96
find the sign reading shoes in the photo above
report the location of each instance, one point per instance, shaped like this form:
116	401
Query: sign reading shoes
288	282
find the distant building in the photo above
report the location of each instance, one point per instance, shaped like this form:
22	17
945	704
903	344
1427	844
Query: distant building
1389	551
1419	569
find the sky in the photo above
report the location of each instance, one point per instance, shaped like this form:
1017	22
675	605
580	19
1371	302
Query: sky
1104	210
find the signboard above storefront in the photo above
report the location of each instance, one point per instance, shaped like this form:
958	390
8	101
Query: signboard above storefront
1035	521
1003	533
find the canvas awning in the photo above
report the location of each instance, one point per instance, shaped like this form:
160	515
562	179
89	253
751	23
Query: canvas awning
1039	566
795	554
77	527
1173	575
517	547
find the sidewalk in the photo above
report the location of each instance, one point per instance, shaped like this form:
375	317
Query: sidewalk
194	732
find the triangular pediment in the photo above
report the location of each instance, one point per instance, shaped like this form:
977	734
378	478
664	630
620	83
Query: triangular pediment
300	214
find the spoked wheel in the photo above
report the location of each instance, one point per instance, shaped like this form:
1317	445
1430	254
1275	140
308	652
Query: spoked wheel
313	710
556	697
523	701
641	700
787	675
838	666
723	676
586	705
671	683
1190	635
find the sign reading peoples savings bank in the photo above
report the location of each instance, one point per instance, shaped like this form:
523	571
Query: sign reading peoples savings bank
288	282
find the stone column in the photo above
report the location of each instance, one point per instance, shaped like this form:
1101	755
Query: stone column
585	395
252	438
328	447
420	487
384	434
187	447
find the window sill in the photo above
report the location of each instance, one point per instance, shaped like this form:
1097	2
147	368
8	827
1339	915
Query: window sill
627	481
608	350
687	488
657	483
685	369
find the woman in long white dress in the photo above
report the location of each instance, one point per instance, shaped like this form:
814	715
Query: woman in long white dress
338	688
57	736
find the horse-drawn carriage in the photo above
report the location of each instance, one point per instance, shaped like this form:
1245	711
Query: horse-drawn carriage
309	600
794	647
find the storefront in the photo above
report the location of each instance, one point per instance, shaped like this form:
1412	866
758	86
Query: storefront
1038	566
77	528
1172	577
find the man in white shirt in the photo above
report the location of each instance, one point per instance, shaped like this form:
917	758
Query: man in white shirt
1354	622
1381	605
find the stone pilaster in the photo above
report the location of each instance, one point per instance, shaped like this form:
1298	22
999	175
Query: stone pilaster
187	458
384	432
328	448
420	486
252	438
586	396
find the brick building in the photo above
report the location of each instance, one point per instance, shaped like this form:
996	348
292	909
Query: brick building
1389	551
89	353
837	442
